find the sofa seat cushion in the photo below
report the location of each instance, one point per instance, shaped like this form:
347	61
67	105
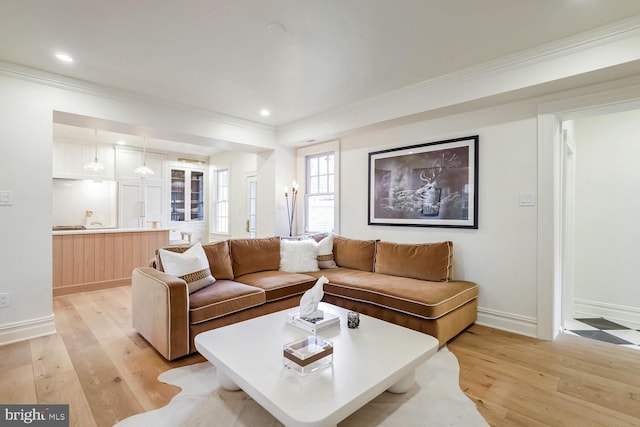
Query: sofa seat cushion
222	298
428	300
278	284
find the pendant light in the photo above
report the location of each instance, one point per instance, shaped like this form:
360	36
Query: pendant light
143	170
95	165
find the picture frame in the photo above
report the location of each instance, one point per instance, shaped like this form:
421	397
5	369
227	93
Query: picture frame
431	184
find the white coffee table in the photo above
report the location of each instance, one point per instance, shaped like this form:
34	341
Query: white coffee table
375	357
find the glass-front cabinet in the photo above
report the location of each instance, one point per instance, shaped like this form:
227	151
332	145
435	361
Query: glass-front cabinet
187	210
187	195
178	194
197	196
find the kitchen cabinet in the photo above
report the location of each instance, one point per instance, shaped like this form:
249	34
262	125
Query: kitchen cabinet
69	159
187	202
127	160
141	204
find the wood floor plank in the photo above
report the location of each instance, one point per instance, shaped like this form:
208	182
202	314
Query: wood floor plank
15	355
487	371
109	397
65	387
49	357
597	390
17	386
553	408
56	380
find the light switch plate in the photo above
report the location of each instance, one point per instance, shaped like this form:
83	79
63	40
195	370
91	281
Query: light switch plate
527	199
6	198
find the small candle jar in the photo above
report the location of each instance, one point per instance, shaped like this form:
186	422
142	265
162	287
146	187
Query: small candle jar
353	319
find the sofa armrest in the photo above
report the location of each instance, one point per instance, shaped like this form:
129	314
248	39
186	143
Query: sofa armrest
160	311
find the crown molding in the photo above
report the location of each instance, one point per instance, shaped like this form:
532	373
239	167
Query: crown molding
58	81
476	82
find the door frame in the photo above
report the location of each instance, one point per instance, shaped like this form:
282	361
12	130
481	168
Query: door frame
251	177
606	98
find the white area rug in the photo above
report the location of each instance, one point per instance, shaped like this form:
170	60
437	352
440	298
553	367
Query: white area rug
435	400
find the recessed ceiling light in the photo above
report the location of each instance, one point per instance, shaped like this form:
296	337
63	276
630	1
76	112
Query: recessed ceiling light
264	113
64	57
121	142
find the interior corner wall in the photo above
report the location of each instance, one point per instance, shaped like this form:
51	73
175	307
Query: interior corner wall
276	170
25	226
501	254
606	206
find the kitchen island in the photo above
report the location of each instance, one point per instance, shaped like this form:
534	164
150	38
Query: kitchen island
86	260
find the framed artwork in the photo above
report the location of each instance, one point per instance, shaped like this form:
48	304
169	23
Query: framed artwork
434	184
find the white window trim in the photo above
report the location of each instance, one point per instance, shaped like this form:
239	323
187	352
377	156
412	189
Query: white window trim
301	155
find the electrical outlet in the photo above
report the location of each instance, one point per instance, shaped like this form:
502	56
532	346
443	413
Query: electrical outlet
5	301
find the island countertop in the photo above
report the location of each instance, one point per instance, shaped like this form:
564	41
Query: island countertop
106	230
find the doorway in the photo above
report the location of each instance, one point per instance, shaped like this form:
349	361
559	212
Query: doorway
550	240
598	235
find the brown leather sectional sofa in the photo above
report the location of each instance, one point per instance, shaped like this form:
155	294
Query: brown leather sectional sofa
407	284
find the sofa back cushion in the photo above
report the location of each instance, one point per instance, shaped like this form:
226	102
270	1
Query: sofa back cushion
219	259
217	254
253	255
356	254
428	261
298	256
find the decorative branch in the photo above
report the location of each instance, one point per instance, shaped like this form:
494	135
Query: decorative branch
291	212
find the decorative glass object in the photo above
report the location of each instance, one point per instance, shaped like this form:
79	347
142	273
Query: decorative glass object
308	354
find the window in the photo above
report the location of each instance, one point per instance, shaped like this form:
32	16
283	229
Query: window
222	201
320	193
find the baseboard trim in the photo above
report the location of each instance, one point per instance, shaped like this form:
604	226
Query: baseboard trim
87	287
28	329
509	322
630	316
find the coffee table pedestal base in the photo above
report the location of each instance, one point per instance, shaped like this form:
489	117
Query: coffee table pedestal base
226	382
405	384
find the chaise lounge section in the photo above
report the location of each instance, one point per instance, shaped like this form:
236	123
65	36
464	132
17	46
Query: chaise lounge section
406	284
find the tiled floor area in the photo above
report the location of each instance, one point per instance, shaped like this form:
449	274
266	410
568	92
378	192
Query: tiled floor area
604	330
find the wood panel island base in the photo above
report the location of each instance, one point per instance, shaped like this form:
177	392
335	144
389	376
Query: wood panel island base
375	357
86	260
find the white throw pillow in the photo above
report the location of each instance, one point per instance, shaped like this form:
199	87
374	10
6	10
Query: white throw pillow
298	256
191	266
325	253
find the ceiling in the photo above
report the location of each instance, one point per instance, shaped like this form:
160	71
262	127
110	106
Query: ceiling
225	56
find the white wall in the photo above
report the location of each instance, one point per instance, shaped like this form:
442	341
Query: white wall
607	205
501	254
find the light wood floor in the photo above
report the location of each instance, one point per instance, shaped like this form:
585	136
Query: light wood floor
106	372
